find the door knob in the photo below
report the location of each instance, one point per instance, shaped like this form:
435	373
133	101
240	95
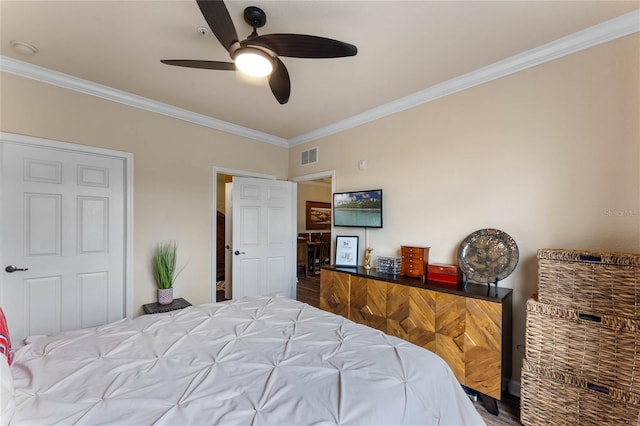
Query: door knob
12	268
238	252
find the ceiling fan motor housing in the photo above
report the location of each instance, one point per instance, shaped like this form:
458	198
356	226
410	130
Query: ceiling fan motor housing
255	17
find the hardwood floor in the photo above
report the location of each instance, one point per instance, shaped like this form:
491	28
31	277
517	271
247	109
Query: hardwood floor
220	294
308	291
509	409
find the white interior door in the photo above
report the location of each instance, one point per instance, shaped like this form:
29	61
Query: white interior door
264	237
63	220
228	242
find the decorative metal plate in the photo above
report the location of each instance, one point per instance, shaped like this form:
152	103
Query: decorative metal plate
488	256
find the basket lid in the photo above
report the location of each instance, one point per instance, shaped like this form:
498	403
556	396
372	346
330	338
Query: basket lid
590	256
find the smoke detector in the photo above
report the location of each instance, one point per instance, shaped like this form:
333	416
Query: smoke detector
23	48
203	32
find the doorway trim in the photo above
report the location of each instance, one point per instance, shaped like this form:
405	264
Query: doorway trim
127	158
315	176
214	208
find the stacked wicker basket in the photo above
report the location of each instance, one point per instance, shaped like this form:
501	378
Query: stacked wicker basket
582	359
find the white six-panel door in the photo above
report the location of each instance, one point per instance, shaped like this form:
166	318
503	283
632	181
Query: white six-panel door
63	220
264	237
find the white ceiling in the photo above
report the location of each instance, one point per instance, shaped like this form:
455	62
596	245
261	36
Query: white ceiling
404	47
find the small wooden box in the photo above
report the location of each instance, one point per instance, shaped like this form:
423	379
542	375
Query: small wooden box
444	273
414	261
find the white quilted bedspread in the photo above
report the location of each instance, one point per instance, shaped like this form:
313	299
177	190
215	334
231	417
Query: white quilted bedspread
262	361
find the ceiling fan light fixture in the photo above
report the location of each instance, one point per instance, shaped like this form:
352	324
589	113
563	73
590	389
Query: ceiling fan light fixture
253	62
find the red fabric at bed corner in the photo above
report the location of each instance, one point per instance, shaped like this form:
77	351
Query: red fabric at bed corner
5	340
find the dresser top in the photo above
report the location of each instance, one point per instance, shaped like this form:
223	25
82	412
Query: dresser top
477	291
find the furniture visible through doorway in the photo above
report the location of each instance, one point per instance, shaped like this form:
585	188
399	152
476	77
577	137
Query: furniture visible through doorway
220	250
318	250
302	258
323	255
318	255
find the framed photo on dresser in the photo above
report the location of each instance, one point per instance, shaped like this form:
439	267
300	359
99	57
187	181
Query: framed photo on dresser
346	251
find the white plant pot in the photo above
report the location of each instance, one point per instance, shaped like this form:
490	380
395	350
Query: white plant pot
165	296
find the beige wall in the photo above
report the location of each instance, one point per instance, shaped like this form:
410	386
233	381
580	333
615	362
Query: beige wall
173	170
311	191
549	155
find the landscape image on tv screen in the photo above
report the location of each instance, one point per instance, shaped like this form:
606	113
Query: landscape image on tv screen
358	209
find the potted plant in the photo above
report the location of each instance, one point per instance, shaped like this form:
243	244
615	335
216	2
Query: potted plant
164	271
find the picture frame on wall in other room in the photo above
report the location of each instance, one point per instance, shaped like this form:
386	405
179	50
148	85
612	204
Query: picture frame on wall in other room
318	215
346	251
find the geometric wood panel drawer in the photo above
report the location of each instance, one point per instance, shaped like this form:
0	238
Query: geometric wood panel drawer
368	302
334	293
483	346
411	315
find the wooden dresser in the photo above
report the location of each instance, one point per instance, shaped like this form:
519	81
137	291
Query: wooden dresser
470	329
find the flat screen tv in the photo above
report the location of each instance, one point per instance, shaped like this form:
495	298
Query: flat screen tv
358	209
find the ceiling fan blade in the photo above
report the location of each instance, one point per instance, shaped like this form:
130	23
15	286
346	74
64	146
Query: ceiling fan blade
303	46
209	65
280	83
217	16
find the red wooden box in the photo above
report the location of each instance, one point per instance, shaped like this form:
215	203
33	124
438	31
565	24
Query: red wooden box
444	273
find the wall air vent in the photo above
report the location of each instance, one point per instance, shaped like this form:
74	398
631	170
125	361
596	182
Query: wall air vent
309	156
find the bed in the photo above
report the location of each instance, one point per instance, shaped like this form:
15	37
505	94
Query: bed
253	361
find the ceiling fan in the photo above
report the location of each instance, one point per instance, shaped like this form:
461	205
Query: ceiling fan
258	55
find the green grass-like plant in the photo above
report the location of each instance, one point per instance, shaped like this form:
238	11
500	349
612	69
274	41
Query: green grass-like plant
164	265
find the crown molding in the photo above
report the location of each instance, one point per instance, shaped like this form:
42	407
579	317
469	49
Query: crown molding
609	30
581	40
66	81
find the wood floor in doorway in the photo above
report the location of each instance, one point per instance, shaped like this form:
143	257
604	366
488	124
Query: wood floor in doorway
308	290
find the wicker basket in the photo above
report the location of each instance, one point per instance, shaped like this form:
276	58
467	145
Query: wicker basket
552	397
601	282
602	348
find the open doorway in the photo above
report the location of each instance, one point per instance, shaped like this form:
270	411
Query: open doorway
221	280
315	232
